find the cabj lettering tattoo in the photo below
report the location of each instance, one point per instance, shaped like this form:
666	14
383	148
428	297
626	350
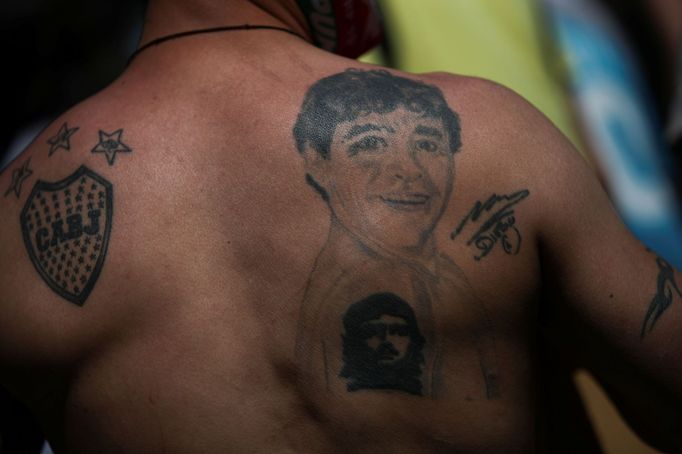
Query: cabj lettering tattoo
18	177
66	227
379	150
666	287
500	226
110	144
61	139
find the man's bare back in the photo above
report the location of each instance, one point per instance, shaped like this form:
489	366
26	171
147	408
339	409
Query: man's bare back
200	258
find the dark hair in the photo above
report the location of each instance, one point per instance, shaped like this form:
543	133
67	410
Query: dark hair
348	95
373	307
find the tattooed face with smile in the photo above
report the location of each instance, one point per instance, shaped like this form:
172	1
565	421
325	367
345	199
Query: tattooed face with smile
390	173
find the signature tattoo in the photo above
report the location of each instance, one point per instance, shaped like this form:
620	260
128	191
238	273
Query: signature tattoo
61	139
18	177
665	286
500	226
110	144
66	227
372	313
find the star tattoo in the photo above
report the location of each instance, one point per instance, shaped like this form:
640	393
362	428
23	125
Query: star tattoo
18	177
61	139
110	144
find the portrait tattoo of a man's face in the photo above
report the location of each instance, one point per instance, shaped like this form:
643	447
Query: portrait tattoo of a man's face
379	150
384	149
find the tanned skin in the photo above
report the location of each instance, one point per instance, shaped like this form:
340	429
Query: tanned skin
236	262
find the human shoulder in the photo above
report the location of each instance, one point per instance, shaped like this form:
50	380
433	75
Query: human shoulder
607	316
494	104
510	150
63	228
473	88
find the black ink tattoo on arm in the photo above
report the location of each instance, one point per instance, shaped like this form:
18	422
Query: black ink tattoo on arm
110	144
66	227
18	177
500	226
666	287
61	139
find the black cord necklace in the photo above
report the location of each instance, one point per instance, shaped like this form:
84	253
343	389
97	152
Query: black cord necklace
228	28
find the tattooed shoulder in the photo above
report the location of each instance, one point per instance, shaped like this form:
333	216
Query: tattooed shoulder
61	139
67	218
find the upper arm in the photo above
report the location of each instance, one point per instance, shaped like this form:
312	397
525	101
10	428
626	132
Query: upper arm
592	266
616	306
619	293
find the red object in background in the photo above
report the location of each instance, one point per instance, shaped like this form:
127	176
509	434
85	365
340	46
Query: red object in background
344	27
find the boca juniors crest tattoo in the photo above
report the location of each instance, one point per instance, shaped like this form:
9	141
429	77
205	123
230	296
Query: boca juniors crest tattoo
66	227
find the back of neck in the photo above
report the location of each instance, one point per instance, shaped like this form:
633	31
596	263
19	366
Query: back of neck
168	17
